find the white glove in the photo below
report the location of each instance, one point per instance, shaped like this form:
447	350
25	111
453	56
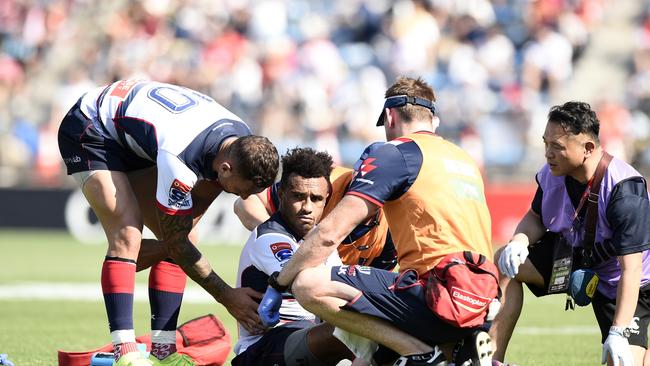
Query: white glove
514	254
618	348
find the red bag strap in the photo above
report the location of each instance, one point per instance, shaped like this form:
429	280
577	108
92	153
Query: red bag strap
469	258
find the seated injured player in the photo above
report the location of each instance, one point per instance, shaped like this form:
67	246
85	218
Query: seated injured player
303	194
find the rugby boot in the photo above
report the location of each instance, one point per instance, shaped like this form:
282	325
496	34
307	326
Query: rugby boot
475	350
435	358
175	359
133	359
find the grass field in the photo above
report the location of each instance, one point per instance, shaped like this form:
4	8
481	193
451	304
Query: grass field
33	329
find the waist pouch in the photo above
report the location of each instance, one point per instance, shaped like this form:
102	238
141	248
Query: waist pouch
461	287
582	286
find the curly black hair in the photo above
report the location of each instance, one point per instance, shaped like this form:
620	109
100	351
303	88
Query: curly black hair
576	118
307	163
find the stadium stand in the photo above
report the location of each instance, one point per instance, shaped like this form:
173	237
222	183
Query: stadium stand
312	71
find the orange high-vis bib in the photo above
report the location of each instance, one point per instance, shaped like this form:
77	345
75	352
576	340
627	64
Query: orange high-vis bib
371	244
443	212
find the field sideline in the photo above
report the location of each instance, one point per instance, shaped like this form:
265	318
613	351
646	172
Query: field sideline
66	311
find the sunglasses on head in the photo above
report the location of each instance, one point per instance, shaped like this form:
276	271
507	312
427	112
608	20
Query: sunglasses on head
397	101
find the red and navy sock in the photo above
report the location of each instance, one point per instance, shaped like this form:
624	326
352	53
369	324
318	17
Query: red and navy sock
166	285
118	284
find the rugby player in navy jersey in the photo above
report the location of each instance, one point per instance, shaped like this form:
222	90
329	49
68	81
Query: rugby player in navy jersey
155	154
433	197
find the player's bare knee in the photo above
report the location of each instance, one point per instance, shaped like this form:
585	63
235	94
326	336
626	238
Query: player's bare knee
306	286
529	274
302	287
125	242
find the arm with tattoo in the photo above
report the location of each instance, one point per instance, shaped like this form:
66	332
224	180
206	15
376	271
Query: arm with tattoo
175	230
240	302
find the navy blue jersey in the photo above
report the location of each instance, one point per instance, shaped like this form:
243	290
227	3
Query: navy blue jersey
388	172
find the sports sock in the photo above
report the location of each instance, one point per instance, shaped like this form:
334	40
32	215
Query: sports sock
166	285
433	358
118	283
120	349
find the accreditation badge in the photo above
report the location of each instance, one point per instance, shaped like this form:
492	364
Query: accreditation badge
562	262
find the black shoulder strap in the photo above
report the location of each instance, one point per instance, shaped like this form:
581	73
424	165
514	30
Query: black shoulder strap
591	219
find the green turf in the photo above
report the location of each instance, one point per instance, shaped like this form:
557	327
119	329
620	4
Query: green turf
31	331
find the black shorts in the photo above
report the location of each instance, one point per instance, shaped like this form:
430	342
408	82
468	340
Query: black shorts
398	300
541	256
84	147
604	310
269	350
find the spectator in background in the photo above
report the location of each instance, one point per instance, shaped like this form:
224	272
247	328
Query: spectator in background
319	62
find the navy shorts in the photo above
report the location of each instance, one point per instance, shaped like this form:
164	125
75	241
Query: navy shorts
84	147
398	300
269	350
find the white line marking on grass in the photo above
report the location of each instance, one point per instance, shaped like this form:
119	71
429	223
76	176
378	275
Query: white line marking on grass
85	292
92	292
566	330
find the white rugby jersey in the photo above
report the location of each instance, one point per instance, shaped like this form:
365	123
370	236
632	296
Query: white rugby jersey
178	129
269	247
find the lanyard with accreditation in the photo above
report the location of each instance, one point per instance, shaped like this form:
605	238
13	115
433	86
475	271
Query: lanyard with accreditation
563	251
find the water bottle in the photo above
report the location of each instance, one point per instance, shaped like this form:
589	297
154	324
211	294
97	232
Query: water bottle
102	359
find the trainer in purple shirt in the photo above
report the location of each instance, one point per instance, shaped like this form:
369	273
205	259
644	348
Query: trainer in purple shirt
620	254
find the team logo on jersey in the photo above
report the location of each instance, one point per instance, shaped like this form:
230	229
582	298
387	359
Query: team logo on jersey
366	167
282	251
123	88
179	194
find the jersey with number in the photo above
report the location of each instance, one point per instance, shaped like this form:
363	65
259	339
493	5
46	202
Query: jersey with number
366	244
268	249
178	129
433	198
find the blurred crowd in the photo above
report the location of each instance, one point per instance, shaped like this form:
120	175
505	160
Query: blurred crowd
313	72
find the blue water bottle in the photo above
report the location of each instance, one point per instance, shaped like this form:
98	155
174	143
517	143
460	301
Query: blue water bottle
102	359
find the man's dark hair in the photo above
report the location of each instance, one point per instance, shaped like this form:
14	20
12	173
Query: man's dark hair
256	159
414	88
307	163
576	118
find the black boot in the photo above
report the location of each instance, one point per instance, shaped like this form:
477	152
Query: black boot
475	350
433	358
